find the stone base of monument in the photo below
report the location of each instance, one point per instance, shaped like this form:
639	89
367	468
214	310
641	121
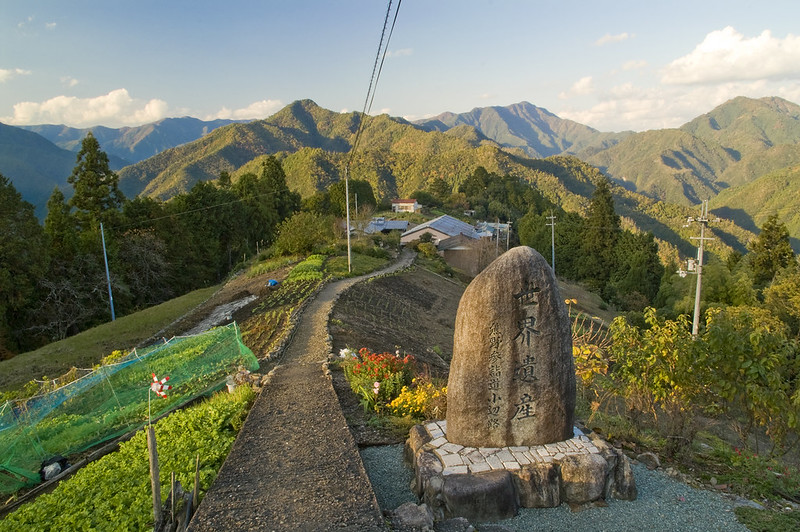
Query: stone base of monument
490	484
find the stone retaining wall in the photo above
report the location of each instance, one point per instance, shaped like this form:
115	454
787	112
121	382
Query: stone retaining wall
486	484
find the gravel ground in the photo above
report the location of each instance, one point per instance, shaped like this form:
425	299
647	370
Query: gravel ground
663	504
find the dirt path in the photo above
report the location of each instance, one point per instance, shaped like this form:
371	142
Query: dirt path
295	465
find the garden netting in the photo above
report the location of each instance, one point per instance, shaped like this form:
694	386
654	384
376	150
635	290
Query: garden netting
112	400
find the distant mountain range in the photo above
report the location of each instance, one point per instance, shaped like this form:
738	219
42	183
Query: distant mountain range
128	145
742	145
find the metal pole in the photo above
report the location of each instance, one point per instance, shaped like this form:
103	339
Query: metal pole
703	220
347	207
108	276
552	225
497	238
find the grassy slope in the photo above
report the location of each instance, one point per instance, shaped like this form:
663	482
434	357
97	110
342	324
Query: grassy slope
87	348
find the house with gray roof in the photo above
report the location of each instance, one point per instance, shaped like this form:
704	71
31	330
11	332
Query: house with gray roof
382	225
440	228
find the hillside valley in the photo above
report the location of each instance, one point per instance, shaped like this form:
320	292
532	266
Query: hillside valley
661	174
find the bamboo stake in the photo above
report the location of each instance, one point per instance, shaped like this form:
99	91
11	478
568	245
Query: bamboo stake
196	488
155	483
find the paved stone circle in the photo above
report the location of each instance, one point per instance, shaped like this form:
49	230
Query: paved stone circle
457	459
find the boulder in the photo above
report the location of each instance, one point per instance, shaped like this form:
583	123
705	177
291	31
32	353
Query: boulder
512	376
483	497
583	478
538	485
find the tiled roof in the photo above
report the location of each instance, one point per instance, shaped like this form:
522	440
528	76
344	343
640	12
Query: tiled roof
447	225
379	224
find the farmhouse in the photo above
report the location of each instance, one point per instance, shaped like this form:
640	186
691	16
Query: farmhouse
440	229
405	205
382	225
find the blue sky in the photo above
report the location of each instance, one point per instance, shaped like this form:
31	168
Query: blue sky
611	65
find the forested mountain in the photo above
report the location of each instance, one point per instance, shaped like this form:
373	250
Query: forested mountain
534	130
734	144
33	164
128	145
397	158
750	205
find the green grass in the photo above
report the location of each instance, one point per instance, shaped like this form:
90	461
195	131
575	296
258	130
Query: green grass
361	264
768	520
87	348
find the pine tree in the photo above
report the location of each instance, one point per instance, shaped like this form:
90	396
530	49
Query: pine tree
23	259
599	237
770	252
96	186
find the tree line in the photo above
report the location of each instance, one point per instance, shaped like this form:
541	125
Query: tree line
53	275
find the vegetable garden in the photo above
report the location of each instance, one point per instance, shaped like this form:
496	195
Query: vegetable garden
113	493
112	400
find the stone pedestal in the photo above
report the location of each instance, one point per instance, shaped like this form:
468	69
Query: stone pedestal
490	483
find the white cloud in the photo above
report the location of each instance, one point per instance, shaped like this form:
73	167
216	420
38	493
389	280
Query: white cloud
255	110
634	65
50	25
627	106
727	55
11	73
609	39
581	87
68	81
114	109
402	52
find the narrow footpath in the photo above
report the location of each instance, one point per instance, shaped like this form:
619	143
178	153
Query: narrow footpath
295	465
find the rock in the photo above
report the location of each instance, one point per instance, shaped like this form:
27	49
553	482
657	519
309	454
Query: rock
747	503
538	486
583	478
417	437
483	497
410	516
427	466
512	376
624	482
456	524
650	460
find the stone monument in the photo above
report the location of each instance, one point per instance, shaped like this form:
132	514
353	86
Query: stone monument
512	376
509	438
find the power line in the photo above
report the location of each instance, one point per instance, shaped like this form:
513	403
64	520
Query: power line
373	85
377	67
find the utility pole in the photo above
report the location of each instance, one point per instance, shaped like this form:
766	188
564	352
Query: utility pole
552	225
347	208
508	234
497	238
108	276
698	266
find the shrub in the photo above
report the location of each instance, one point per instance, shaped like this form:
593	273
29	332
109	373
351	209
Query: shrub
378	378
423	400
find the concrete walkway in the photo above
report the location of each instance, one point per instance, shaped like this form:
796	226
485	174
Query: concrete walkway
295	465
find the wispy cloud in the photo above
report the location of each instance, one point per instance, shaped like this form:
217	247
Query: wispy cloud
114	109
727	55
582	87
11	73
260	109
50	25
634	65
68	81
609	39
